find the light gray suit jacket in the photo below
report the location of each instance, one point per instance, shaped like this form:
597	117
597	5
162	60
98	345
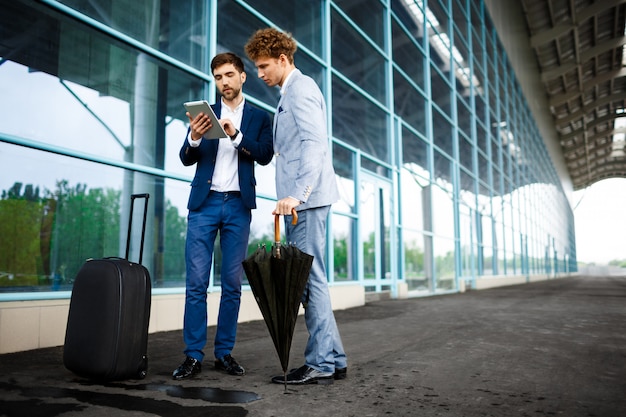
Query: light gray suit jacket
304	167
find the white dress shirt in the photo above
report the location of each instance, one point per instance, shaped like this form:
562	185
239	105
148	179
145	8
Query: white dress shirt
226	174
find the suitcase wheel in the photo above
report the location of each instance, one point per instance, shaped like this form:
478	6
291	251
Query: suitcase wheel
143	368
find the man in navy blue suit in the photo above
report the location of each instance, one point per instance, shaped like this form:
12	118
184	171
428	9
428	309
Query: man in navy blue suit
221	199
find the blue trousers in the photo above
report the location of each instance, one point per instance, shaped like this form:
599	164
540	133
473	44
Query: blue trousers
324	350
223	212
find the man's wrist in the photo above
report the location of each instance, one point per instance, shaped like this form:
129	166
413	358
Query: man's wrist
234	136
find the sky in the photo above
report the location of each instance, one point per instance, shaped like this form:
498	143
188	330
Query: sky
600	221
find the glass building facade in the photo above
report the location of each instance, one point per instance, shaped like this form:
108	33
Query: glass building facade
443	173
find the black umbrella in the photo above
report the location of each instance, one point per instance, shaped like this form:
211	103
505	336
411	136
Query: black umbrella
277	279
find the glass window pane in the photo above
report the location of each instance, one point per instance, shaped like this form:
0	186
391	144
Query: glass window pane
441	90
368	15
466	154
414	262
409	103
443	250
344	248
359	122
483	167
52	223
414	153
355	58
408	56
467	186
411	15
412	200
466	229
179	29
482	138
443	209
343	162
464	117
301	18
111	103
442	132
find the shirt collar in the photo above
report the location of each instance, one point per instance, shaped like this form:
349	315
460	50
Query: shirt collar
237	109
286	83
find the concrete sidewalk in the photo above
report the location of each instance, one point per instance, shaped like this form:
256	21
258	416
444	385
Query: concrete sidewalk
554	348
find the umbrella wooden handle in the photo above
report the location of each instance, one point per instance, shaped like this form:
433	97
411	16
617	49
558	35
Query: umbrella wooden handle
294	220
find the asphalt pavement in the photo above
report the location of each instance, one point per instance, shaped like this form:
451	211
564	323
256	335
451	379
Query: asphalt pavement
551	348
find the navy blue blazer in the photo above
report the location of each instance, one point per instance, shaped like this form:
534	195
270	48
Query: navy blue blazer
256	145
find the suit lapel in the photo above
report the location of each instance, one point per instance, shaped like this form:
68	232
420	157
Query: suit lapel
278	110
245	117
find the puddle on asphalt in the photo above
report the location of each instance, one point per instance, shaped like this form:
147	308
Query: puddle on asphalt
213	395
38	402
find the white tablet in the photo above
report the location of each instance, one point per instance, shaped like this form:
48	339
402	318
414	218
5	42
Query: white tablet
196	107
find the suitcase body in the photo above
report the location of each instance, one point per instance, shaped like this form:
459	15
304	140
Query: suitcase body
107	329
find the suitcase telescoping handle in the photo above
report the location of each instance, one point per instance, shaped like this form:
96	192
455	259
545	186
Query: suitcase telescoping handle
146	196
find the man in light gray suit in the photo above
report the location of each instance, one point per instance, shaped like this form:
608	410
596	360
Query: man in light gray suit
305	180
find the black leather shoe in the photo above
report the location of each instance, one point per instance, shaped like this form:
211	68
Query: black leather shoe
188	368
230	365
340	373
305	375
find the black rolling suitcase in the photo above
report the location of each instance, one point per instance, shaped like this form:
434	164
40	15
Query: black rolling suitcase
107	328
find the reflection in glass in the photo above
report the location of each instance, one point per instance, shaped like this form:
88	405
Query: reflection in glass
137	122
52	223
344	240
486	247
358	122
415	153
440	90
467	188
443	211
409	103
356	59
408	56
443	170
442	133
464	118
467	239
443	250
343	162
414	263
367	15
411	14
411	200
375	222
177	29
302	18
466	153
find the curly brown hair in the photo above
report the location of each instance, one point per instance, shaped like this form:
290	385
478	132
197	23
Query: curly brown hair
270	43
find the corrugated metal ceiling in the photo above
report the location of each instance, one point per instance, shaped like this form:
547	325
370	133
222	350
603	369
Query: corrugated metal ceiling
579	47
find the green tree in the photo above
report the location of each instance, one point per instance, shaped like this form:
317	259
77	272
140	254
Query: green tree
174	244
20	224
340	260
87	225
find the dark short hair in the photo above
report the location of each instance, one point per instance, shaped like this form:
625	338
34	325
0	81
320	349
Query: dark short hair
227	58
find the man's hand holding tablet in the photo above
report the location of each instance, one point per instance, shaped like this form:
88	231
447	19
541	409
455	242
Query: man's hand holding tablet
207	124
